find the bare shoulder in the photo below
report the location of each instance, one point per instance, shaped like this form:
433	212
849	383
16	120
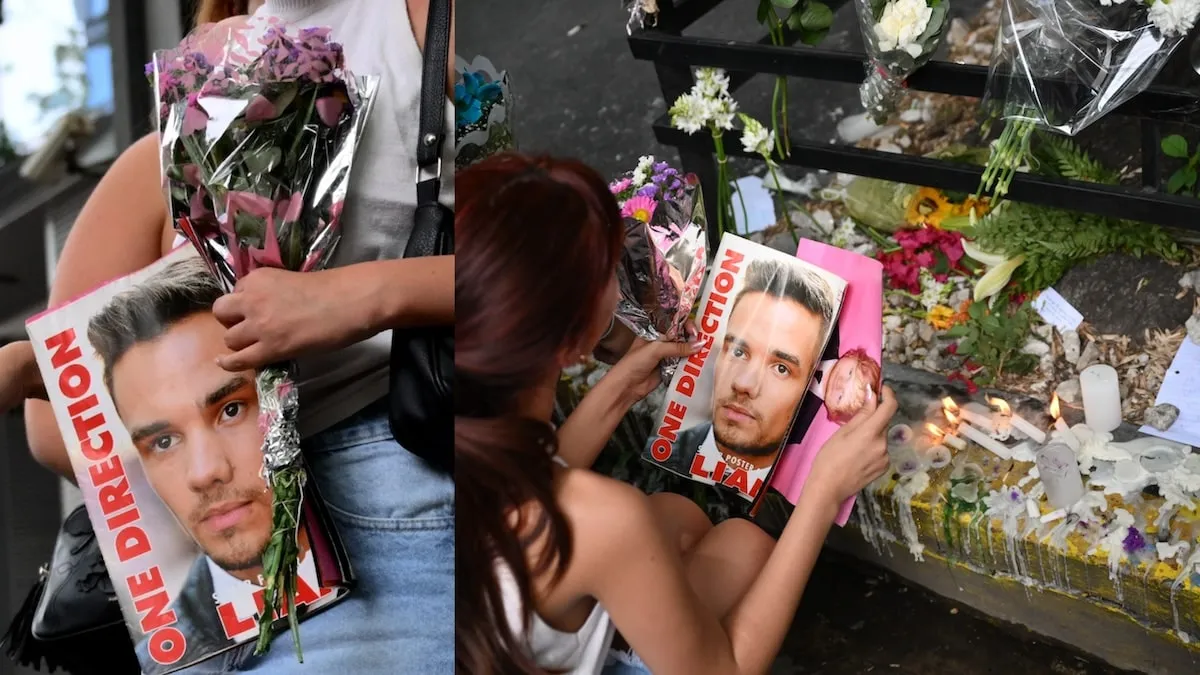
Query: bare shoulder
607	516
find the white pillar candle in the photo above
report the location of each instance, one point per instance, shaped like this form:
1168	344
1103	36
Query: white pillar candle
981	417
954	442
946	437
983	440
1101	398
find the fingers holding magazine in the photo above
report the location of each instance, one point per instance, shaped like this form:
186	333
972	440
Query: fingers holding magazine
19	376
857	453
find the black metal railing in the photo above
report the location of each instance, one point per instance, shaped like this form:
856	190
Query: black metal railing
674	55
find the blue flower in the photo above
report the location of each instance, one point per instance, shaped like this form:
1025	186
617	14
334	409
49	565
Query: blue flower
470	96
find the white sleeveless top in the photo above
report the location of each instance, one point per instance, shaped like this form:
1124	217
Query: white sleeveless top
583	652
378	40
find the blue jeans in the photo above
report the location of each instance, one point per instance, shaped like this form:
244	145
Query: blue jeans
396	518
624	663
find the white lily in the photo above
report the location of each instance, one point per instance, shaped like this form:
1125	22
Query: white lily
996	278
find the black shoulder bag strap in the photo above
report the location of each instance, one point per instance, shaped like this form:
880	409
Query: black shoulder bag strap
421	400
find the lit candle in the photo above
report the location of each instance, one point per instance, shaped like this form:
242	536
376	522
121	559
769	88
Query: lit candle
948	438
1019	423
980	419
1101	397
979	438
1063	430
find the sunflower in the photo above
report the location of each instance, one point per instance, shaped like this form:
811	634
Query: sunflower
928	206
981	206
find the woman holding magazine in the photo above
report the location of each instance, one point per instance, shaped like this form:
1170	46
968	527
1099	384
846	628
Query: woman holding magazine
394	512
551	557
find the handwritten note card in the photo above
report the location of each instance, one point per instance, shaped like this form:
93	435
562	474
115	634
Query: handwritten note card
1057	312
1179	389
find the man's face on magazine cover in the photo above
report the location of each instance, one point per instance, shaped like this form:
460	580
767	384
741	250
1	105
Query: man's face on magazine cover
195	426
763	371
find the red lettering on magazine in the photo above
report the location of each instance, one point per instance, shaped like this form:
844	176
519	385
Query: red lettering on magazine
116	502
663	446
235	625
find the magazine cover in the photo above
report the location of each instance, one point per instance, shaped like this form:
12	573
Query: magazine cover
765	318
167	452
849	367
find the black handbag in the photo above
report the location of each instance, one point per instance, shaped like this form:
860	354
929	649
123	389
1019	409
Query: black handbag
71	618
421	400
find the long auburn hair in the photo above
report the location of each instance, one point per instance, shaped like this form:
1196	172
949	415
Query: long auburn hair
537	241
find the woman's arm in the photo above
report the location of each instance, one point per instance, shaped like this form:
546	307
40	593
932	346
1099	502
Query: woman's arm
119	230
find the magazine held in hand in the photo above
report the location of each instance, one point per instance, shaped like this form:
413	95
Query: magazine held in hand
167	451
765	318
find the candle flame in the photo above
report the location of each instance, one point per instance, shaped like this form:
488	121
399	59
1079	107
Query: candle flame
951	418
949	404
1055	412
1001	405
934	430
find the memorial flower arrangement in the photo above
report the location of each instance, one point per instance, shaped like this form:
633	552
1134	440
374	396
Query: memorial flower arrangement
259	129
1061	66
709	106
664	259
811	20
900	36
483	107
758	139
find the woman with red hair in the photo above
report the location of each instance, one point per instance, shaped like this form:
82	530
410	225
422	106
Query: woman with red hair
553	559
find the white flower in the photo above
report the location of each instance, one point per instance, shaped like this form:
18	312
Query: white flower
933	292
1175	17
642	172
755	137
712	83
902	22
689	114
708	104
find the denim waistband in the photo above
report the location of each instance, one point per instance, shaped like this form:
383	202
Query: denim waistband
366	426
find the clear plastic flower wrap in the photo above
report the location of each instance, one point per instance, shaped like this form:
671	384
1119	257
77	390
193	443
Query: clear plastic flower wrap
258	130
663	263
900	36
1063	64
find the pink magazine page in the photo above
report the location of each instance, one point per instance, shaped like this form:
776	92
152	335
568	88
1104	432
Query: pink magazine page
851	361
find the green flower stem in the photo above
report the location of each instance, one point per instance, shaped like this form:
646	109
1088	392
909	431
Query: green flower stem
787	218
724	193
880	240
779	101
281	558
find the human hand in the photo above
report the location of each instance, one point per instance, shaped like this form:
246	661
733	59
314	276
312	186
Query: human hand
638	371
857	453
275	315
19	375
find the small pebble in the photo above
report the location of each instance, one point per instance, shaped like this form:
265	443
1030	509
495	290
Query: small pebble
925	332
1191	280
1072	349
1089	357
1161	416
1193	328
1068	391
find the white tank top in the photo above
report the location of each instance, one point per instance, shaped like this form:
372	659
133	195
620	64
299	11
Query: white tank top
583	652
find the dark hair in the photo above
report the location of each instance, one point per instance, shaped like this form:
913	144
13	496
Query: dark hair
147	310
536	244
215	11
783	280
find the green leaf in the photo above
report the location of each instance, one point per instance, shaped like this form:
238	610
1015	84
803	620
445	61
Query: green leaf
957	331
976	310
967	347
764	6
785	4
813	38
816	16
1189	177
1176	181
1175	146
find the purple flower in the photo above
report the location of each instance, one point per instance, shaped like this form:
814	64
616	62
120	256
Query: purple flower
649	190
1134	541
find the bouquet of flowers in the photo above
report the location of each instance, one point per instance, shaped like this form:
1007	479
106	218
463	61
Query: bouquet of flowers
483	124
900	36
1060	65
664	259
258	131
